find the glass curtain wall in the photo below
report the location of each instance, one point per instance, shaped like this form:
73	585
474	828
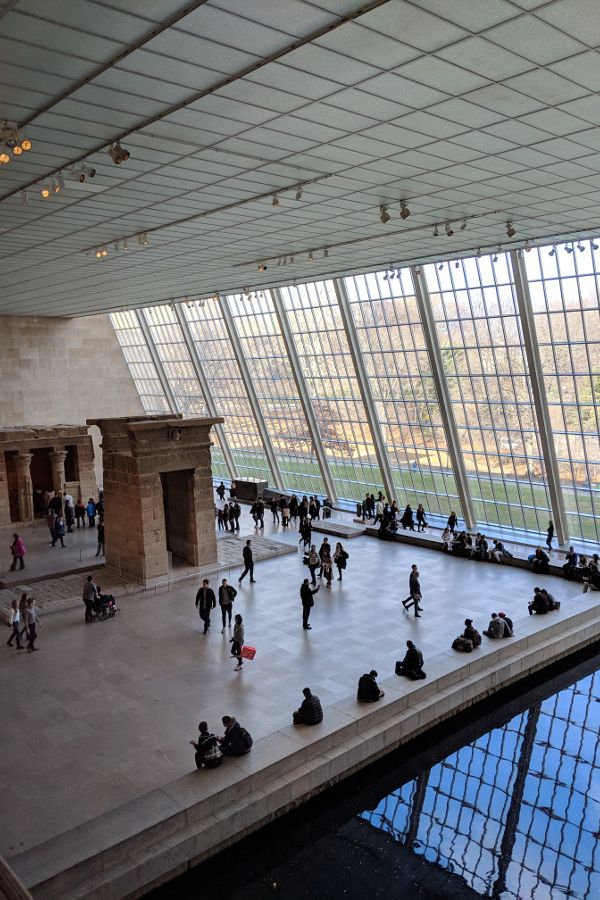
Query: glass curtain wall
138	358
480	339
393	348
322	346
213	345
265	353
565	296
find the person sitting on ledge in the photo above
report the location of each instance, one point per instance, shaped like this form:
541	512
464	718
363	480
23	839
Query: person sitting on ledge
208	753
499	551
468	640
591	576
368	689
447	539
310	712
236	741
571	560
539	604
496	628
459	545
552	603
412	664
480	551
540	561
508	624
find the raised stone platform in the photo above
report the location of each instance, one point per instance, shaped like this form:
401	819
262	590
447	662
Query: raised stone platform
156	836
338	528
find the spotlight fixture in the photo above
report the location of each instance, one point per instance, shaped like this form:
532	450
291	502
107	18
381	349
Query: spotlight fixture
275	200
125	245
118	154
26	144
418	270
45	192
594	246
528	247
142	239
463	225
580	247
24	198
384	215
17	150
98	253
60	180
553	251
510	231
404	210
449	230
495	258
292	259
116	246
326	252
436	231
479	253
568	249
262	267
299	192
104	252
89	171
440	267
12	140
457	265
311	256
4	158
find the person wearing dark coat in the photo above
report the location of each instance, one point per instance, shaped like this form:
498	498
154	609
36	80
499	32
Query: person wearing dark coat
540	561
571	560
539	604
306	595
508	624
227	594
471	634
248	563
550	534
414	588
236	741
451	523
310	712
407	520
368	689
208	753
220	495
412	664
205	602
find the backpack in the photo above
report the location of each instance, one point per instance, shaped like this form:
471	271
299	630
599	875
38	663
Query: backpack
246	738
464	645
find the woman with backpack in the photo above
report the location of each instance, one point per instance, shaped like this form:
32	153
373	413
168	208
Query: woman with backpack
340	558
237	641
208	752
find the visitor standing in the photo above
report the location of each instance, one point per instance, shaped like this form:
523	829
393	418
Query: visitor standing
306	596
80	513
205	602
275	510
340	558
313	563
31	621
51	518
237	641
414	588
237	511
59	531
550	535
14	623
452	520
69	510
220	495
420	516
100	536
91	513
227	594
18	551
248	563
90	595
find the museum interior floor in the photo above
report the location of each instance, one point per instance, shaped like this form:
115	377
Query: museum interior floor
105	712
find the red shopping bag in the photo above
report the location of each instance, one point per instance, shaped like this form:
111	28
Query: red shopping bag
248	652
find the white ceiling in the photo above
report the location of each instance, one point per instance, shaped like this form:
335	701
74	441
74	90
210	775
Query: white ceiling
486	108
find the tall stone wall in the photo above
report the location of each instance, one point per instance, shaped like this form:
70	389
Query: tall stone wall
63	370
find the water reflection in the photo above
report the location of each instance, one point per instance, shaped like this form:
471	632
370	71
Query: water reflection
516	813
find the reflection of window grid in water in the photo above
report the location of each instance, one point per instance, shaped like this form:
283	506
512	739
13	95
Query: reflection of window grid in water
562	358
373	299
139	361
265	354
321	344
447	835
469	348
227	388
392	814
544	848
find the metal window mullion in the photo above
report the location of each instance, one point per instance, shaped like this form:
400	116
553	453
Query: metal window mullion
540	400
298	375
441	386
251	393
162	377
204	387
365	388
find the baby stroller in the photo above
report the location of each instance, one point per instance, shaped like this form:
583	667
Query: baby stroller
105	606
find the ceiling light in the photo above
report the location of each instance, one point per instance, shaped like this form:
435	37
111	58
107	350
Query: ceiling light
510	231
463	224
311	256
275	200
118	154
4	158
125	245
104	252
60	180
24	198
116	245
568	249
436	231
10	136
292	259
45	192
495	258
89	171
404	210
441	266
326	252
479	253
457	265
262	267
17	150
384	215
449	230
299	192
528	247
580	247
26	144
55	186
98	253
418	270
594	245
553	251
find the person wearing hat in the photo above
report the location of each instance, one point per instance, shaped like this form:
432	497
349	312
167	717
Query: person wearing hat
368	689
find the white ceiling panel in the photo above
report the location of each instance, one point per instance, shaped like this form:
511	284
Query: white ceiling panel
465	109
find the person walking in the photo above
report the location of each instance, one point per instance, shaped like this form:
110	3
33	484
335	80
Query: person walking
18	551
59	531
14	623
90	594
100	536
69	509
22	610
414	587
80	513
248	563
237	641
237	511
324	552
327	570
275	510
285	515
227	594
452	520
306	596
420	516
91	512
305	532
550	535
313	563
31	620
340	558
232	519
221	492
51	518
205	602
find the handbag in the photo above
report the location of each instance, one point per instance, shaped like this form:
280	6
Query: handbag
248	652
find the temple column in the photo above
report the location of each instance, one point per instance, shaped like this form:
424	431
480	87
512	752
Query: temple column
57	460
24	485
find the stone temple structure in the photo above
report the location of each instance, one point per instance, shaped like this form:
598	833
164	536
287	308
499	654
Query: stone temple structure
158	494
35	460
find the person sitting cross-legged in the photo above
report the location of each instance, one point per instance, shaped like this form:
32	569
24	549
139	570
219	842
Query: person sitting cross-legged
496	627
208	752
368	689
310	711
412	664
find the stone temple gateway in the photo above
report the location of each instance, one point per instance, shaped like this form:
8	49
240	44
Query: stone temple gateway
158	494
